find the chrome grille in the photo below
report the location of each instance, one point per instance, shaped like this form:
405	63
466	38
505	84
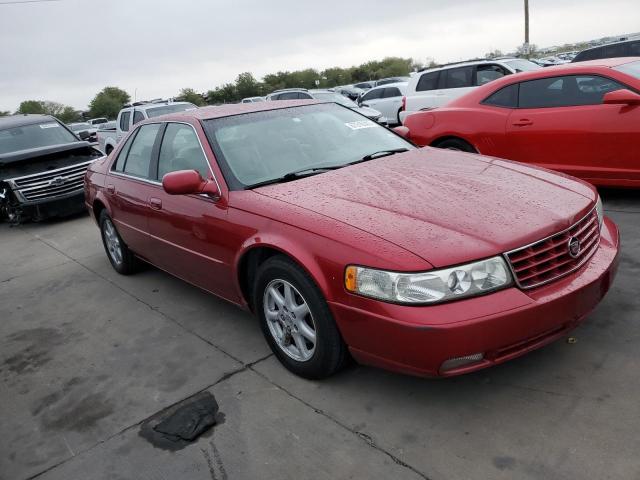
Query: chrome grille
50	184
550	259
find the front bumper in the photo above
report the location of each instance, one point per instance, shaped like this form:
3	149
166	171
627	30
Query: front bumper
501	326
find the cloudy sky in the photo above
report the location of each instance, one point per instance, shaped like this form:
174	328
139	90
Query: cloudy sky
67	50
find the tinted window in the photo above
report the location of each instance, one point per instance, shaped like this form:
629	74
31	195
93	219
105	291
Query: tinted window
571	90
137	117
181	150
373	94
139	155
428	81
391	92
489	73
119	165
457	78
288	96
124	121
505	97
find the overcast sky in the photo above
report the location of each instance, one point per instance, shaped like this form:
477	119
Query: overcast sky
68	50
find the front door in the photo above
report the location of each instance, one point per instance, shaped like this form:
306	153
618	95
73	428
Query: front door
190	232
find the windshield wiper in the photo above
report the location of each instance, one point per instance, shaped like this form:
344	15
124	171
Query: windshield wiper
295	175
380	154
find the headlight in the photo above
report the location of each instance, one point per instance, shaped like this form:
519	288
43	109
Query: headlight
600	211
429	287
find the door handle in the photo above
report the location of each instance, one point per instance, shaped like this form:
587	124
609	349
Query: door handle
155	203
523	122
111	188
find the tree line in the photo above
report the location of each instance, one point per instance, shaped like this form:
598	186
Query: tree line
110	100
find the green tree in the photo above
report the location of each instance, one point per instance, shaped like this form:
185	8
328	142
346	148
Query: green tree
69	114
190	95
4	113
31	106
108	102
248	86
64	113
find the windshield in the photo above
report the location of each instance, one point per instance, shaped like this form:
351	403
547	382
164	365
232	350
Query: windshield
181	107
334	97
632	69
520	65
76	127
258	147
34	136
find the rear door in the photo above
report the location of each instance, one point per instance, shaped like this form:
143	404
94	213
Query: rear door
191	235
390	104
372	98
453	83
129	185
562	124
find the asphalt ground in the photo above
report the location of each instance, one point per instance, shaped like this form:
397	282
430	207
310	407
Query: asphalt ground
89	357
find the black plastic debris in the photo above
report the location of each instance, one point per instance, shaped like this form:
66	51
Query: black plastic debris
180	425
190	420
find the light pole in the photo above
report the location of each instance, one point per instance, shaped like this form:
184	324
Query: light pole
526	28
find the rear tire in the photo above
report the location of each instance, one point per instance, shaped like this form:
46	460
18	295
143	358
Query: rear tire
122	259
296	320
456	144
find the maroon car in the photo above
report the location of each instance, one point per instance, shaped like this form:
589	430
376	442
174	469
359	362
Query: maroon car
345	239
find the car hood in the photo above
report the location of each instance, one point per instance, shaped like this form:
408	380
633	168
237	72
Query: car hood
446	207
368	112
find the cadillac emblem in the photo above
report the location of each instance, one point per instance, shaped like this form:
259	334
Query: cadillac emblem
574	247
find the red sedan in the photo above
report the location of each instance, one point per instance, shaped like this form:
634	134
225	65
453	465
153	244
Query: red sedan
582	119
342	237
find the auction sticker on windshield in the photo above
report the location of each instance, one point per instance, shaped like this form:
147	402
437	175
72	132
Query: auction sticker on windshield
360	124
49	125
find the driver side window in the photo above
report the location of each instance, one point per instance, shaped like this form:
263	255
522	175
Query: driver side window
181	150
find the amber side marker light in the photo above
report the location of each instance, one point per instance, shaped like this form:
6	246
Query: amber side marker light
351	278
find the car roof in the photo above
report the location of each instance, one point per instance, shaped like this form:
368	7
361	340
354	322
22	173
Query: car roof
145	106
394	84
232	109
22	120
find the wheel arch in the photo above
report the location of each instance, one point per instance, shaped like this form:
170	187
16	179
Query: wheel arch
443	138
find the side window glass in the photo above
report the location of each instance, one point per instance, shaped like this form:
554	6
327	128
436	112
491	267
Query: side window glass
119	165
428	81
124	121
458	77
137	117
634	49
391	92
488	73
567	91
288	96
181	150
139	155
372	94
505	97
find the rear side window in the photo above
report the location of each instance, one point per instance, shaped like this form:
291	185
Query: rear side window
391	92
181	150
570	90
489	73
505	97
428	81
139	156
119	165
137	117
124	121
288	96
373	94
457	78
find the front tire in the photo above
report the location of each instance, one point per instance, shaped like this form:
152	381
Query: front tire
456	144
296	320
122	259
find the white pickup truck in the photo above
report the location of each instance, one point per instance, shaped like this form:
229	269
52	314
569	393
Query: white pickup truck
436	87
130	115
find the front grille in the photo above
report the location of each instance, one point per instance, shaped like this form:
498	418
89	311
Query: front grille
51	184
550	259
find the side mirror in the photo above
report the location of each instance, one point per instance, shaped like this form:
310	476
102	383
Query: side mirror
402	131
188	182
621	97
364	104
84	135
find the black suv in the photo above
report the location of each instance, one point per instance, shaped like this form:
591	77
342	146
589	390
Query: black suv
629	48
42	167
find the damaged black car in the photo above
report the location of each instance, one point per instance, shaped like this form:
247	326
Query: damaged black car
42	167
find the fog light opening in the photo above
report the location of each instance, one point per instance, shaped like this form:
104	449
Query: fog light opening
458	362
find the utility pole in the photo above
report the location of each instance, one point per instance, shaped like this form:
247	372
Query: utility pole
526	28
